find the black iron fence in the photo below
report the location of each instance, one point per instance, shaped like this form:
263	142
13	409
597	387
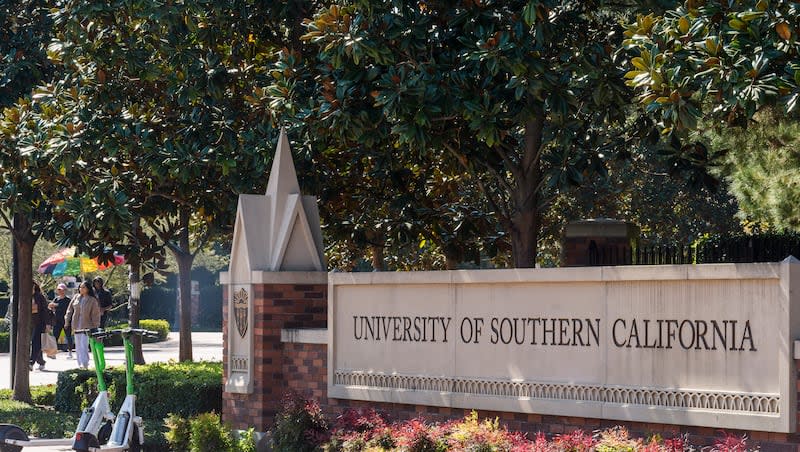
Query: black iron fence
726	249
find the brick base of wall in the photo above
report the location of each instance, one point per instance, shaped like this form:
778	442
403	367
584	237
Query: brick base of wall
305	369
276	307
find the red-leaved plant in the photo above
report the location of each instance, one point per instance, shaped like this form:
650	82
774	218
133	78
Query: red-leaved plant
301	426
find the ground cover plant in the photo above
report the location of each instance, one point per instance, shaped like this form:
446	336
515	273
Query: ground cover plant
38	419
301	426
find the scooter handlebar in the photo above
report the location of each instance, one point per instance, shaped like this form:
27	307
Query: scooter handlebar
99	333
141	332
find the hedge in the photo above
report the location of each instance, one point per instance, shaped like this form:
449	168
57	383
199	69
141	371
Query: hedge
159	326
33	419
41	395
4	340
161	388
36	421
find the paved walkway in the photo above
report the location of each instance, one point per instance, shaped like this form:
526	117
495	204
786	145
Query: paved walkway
205	347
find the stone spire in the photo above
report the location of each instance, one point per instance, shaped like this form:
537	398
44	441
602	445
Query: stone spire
280	230
283	177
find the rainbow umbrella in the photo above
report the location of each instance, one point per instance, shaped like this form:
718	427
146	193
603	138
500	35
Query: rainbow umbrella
64	262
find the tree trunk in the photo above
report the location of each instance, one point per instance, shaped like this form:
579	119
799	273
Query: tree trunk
527	216
134	308
452	256
376	241
378	264
25	241
184	258
524	235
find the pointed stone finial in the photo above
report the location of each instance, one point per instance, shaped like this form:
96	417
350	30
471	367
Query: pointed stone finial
282	177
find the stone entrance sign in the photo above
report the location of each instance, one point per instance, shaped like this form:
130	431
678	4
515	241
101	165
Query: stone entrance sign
708	345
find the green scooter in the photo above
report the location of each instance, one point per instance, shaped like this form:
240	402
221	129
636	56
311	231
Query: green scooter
97	418
128	431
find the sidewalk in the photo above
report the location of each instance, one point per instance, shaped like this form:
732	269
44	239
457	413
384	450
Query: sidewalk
205	347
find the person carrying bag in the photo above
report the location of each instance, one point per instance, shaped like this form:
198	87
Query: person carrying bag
83	313
49	343
59	307
40	319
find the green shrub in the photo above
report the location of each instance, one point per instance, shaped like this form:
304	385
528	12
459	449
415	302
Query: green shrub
36	421
178	432
247	441
184	389
4	341
205	432
208	434
41	395
5	325
44	395
72	389
154	439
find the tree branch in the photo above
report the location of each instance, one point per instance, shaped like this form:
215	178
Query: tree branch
502	214
6	220
512	167
533	143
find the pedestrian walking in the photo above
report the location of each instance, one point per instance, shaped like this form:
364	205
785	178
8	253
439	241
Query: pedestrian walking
59	307
83	313
40	318
105	299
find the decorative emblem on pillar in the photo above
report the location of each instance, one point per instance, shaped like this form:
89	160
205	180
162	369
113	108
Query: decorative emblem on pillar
240	307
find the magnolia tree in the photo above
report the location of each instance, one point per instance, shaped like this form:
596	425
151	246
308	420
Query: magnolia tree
29	183
526	98
158	91
723	80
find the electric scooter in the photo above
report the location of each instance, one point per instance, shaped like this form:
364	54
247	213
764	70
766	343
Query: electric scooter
97	418
128	431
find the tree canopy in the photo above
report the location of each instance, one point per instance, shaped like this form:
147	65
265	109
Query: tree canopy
526	98
723	80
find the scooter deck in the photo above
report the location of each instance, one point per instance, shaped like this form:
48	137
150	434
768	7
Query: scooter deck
35	442
108	449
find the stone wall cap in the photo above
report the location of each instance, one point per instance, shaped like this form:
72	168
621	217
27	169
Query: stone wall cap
262	277
565	274
305	335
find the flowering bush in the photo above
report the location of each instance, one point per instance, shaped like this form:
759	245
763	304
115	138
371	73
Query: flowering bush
366	430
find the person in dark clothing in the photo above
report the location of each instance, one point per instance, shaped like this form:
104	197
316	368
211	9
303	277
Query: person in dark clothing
104	297
40	318
59	306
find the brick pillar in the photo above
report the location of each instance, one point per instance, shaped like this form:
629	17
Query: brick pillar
599	242
276	306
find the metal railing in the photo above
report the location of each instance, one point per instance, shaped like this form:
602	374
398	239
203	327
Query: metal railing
744	249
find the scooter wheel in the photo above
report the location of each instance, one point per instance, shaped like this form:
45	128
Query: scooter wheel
135	445
8	431
104	433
